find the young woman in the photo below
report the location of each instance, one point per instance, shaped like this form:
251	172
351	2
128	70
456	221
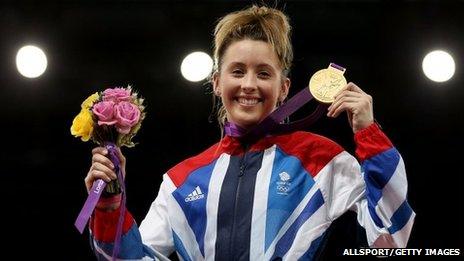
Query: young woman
274	198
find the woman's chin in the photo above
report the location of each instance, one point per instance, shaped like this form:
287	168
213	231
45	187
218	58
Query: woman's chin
247	123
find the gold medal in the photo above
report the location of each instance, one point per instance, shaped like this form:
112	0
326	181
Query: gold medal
325	83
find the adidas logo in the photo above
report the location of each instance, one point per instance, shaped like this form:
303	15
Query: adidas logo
195	195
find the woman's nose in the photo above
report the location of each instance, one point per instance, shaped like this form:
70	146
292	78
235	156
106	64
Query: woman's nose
249	83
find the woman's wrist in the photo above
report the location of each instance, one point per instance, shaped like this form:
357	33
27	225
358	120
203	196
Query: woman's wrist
109	203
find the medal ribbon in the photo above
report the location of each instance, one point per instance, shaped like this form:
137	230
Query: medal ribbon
94	195
272	123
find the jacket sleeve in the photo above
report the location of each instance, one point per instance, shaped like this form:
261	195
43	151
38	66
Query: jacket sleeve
384	210
376	189
153	241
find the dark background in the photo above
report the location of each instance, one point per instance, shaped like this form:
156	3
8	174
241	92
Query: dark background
94	45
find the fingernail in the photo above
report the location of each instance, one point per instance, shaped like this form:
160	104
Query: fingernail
112	166
105	152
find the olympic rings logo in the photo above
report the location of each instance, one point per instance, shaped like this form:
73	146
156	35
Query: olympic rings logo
283	188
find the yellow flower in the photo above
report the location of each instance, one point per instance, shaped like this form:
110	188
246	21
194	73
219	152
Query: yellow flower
82	125
90	100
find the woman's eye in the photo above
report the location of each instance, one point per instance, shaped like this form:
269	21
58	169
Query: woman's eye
237	72
264	74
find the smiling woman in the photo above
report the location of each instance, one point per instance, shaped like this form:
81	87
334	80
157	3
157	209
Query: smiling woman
273	198
250	82
270	38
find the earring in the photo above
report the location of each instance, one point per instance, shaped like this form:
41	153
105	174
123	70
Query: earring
280	102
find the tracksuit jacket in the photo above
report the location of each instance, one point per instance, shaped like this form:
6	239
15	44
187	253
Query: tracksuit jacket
270	200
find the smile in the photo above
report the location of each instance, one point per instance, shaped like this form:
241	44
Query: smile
248	101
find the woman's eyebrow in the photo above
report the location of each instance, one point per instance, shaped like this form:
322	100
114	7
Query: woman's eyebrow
260	65
266	65
236	64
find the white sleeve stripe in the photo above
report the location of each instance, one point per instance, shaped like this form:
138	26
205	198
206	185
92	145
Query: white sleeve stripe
393	195
401	236
155	228
341	184
169	184
311	230
158	256
182	229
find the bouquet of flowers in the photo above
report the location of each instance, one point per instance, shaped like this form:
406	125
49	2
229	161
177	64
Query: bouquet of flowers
111	117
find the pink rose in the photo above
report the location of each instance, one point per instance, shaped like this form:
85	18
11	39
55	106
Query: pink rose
105	112
116	95
127	115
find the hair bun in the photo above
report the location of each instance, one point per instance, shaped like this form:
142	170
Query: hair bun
256	23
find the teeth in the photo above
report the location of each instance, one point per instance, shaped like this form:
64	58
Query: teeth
247	101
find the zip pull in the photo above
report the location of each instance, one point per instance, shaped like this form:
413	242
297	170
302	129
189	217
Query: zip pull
242	170
243	160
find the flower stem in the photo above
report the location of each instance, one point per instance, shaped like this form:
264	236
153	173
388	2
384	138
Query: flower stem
112	188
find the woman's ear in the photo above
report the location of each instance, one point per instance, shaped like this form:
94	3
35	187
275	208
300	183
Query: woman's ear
215	81
284	89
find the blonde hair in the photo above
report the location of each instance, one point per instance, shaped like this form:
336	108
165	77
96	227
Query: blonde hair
255	23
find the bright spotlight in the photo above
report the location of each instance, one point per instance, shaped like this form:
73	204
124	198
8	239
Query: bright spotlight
31	61
438	66
196	66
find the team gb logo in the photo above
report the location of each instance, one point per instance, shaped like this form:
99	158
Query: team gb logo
283	186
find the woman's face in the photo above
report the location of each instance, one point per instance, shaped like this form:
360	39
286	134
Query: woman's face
250	82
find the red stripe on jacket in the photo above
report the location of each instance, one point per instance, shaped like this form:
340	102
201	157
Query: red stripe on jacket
104	224
313	151
371	141
180	172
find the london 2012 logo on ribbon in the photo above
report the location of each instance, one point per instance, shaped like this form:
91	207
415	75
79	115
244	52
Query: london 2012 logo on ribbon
283	185
99	186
